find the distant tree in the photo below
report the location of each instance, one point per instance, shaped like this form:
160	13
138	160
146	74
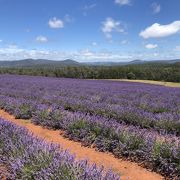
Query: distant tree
131	75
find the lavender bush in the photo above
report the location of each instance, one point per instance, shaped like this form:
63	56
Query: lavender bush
28	157
160	152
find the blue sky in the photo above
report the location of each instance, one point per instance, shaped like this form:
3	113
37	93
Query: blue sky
90	30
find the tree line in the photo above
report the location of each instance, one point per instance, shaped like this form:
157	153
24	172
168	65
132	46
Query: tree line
151	71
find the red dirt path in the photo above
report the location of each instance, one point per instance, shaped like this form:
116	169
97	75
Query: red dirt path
3	172
127	170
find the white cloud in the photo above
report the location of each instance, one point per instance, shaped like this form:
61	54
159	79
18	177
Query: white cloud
89	55
56	23
68	18
86	53
17	53
156	8
122	2
41	39
90	6
124	42
12	46
87	8
155	54
83	55
110	25
177	48
94	43
151	46
28	30
10	50
157	30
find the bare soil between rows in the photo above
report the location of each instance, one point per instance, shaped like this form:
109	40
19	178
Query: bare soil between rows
127	170
3	172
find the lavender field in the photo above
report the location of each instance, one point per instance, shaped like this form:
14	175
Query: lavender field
135	121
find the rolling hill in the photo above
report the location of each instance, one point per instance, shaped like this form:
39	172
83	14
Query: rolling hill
69	62
38	62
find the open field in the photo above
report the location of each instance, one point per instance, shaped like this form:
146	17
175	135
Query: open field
169	84
135	121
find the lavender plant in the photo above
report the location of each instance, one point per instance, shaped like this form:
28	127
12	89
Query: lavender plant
28	157
160	152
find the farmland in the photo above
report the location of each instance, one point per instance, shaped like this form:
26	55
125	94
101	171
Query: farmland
135	121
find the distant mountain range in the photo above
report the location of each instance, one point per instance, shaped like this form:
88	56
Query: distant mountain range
38	62
69	62
116	63
133	62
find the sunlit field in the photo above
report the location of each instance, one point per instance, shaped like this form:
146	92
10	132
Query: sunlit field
89	90
136	121
169	84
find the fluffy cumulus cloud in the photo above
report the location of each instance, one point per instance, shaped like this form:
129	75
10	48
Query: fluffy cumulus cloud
110	25
56	23
122	2
41	39
156	8
158	30
151	46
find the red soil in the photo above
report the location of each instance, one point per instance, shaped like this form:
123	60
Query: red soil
127	170
3	172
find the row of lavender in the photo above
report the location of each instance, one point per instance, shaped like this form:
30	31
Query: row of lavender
159	151
143	105
28	157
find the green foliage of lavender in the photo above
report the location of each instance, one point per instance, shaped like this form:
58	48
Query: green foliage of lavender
30	158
